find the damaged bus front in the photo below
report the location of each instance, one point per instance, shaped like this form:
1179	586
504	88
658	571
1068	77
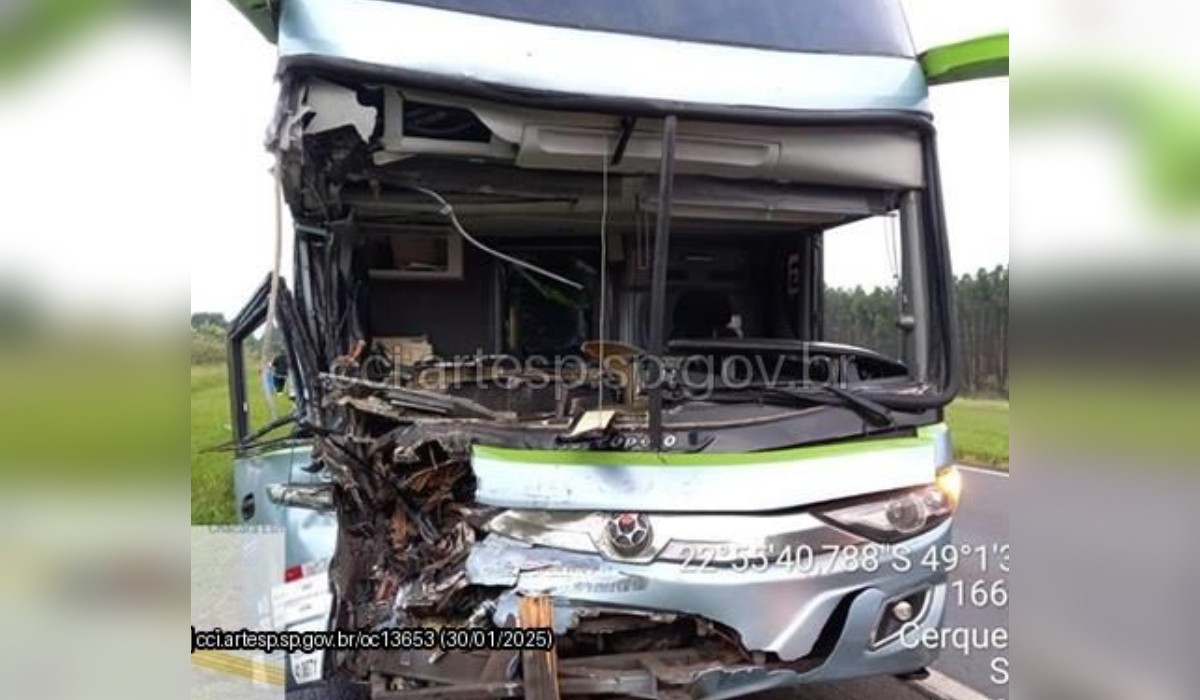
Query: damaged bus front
557	333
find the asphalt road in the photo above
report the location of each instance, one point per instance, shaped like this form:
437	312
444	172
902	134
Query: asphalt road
982	521
868	689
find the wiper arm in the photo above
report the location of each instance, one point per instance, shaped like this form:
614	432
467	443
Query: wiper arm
873	412
252	440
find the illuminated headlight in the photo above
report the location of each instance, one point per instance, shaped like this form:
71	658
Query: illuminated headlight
897	516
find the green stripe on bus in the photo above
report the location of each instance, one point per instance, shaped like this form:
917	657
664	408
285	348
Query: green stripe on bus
982	57
706	459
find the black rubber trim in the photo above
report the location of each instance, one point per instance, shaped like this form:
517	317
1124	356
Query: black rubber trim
359	72
831	631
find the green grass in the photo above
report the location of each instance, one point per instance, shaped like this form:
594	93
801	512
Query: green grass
1146	416
212	472
979	430
89	406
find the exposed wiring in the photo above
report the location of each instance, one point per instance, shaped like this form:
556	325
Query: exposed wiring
604	259
891	244
265	362
891	239
448	212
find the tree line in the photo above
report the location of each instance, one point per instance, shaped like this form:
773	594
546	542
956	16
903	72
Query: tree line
868	318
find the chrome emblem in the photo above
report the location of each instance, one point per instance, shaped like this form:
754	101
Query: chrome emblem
628	533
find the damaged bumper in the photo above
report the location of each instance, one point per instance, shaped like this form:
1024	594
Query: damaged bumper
818	617
713	601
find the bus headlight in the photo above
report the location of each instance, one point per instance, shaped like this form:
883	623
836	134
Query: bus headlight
898	515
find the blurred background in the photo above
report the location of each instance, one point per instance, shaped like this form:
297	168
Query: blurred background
95	185
1105	238
104	166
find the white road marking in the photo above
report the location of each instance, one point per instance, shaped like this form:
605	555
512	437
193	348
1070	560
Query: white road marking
939	686
983	470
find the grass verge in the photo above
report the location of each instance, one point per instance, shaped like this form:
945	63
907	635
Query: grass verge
979	429
212	472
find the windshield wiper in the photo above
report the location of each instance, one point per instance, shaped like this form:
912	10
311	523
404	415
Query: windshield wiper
873	412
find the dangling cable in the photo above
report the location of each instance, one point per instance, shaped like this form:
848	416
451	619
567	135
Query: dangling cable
448	211
265	362
891	239
891	245
603	261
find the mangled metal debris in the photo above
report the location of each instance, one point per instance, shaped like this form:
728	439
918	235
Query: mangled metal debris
420	550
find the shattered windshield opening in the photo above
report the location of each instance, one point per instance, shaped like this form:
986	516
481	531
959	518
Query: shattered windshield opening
748	308
485	260
543	320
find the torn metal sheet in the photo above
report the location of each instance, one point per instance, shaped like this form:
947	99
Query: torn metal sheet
312	496
781	609
568	617
847	660
333	106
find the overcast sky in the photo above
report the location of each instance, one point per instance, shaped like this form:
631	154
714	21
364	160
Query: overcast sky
233	95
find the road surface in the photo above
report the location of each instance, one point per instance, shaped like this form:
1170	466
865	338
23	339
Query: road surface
982	520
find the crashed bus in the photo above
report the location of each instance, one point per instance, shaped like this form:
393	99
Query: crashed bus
555	352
